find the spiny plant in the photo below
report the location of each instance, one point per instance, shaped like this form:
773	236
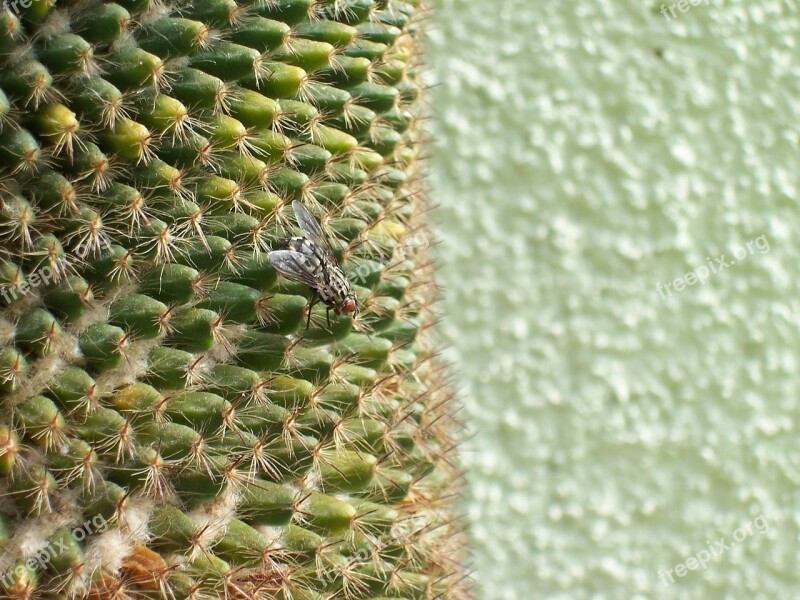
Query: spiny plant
171	428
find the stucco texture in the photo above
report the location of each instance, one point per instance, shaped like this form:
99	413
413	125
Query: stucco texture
586	152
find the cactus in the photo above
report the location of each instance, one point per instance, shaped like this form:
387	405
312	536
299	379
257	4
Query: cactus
173	427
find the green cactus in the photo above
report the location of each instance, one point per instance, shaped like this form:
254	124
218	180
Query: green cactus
172	427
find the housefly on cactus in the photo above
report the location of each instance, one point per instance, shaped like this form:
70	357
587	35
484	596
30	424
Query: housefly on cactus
310	260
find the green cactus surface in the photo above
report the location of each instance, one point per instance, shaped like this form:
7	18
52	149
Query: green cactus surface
172	427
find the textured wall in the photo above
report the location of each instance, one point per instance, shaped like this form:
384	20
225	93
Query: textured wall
586	152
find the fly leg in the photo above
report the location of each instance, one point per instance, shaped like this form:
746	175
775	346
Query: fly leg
310	307
328	319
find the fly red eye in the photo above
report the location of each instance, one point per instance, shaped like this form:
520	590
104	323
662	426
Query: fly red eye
348	306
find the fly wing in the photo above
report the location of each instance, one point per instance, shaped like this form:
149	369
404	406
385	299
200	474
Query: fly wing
294	266
311	227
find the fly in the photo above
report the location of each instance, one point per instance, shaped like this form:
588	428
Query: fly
310	260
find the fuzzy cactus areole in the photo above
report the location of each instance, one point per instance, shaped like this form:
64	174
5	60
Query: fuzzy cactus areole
171	428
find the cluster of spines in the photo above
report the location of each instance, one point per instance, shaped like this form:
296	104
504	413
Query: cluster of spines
155	371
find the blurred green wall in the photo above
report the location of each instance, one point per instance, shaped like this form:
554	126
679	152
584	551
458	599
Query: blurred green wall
585	152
